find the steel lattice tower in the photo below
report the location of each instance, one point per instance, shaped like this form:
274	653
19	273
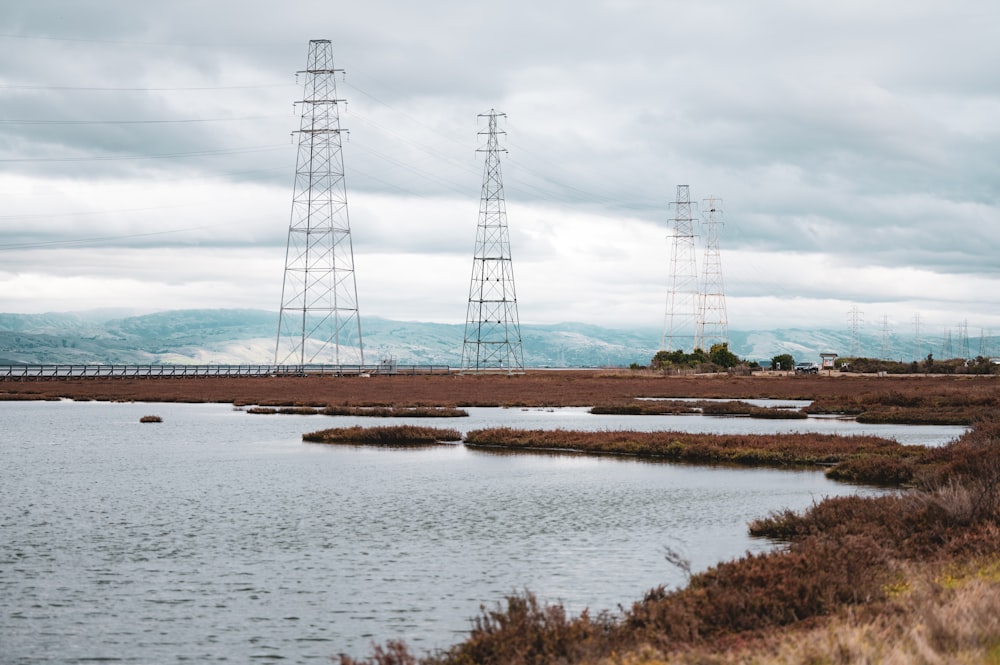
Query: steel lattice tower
855	318
492	331
885	349
319	320
680	321
713	324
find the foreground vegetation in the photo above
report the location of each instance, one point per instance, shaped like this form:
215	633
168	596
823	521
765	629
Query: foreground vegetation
906	577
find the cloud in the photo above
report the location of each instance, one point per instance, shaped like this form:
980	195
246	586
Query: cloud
853	145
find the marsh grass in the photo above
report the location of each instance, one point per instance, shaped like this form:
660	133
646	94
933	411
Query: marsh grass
150	419
401	435
780	450
948	405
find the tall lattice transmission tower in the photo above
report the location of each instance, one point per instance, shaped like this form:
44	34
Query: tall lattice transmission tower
713	324
319	320
492	331
681	318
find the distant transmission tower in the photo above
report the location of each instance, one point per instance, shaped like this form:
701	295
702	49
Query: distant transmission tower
917	352
681	319
963	340
492	331
947	351
713	325
855	318
319	320
885	349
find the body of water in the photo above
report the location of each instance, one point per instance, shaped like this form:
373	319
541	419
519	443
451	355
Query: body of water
220	535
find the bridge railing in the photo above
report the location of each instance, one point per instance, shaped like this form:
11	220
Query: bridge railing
94	371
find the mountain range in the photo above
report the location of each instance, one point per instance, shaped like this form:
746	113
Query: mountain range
230	336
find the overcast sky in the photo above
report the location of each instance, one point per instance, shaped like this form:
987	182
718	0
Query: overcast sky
147	157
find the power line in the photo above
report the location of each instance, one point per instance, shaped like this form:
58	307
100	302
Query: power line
136	122
118	42
128	89
96	239
168	155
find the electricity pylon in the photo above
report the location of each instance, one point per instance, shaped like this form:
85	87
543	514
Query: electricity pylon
855	317
885	349
492	331
681	319
713	324
319	320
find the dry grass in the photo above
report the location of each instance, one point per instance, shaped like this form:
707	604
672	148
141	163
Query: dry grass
928	618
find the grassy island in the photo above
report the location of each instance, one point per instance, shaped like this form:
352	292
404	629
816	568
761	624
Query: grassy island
873	459
403	435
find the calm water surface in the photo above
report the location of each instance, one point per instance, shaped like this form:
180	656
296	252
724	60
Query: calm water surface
219	535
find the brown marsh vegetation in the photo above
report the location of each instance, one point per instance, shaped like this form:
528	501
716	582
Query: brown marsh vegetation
905	398
705	407
402	435
873	459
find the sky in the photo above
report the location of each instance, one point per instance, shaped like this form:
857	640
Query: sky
147	154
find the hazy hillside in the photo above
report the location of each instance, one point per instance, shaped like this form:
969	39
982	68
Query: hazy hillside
247	337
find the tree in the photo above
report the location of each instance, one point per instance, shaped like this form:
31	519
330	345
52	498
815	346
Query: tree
666	359
783	362
720	355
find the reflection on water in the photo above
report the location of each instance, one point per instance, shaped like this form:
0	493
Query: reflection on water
219	534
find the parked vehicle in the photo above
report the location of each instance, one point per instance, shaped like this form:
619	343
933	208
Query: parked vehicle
807	368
